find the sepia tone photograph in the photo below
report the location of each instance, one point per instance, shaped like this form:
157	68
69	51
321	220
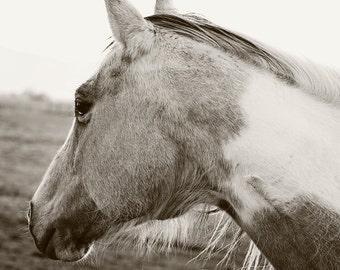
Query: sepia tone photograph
169	135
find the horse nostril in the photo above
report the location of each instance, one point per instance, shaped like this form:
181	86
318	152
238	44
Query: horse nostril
29	213
30	222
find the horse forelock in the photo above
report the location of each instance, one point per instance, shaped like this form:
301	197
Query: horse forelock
314	79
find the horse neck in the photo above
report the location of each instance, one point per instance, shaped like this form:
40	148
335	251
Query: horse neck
289	133
286	174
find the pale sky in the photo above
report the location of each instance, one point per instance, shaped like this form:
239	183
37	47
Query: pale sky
54	46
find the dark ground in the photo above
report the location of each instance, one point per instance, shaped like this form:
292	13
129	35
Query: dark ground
30	133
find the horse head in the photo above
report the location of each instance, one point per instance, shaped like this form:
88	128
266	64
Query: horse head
182	114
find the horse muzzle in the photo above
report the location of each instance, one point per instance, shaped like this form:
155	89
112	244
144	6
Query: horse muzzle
57	241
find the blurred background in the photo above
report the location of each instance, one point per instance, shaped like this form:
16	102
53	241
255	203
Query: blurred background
49	48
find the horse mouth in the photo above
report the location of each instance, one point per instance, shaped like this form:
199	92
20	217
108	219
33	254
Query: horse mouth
56	248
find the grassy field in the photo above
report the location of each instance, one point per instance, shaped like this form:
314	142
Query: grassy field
30	133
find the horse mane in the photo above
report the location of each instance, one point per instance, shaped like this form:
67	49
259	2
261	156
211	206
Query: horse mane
316	80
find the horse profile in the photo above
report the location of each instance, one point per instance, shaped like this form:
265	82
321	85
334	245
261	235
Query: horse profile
184	116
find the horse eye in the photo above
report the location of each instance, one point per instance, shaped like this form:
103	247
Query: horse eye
81	107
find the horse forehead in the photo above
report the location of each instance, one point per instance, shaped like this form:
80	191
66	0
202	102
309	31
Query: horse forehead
171	52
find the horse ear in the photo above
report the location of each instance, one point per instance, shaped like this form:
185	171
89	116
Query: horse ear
129	27
165	7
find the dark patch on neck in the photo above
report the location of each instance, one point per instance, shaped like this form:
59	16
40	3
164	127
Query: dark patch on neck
306	237
228	208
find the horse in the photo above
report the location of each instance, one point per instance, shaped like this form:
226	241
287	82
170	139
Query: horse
185	117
